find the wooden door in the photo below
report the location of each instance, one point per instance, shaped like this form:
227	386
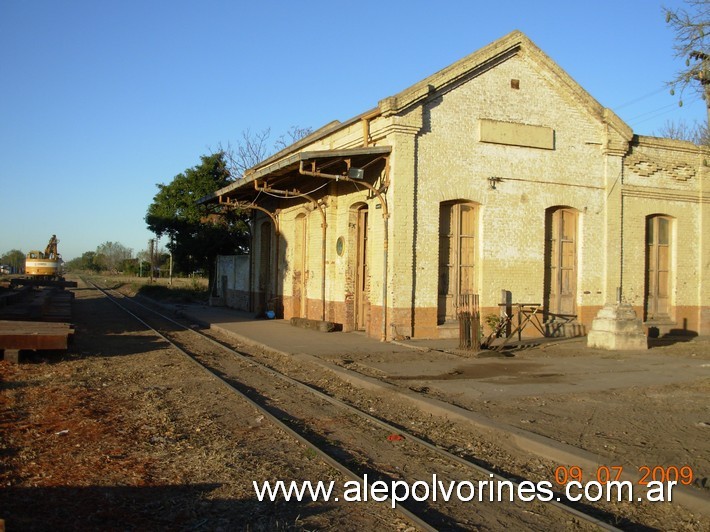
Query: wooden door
561	262
658	267
457	257
361	272
300	258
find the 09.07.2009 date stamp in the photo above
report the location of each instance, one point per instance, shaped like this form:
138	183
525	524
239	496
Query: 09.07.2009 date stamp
603	474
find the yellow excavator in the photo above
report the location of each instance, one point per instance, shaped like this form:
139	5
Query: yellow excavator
44	265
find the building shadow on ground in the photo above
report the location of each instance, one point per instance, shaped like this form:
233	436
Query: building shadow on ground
178	507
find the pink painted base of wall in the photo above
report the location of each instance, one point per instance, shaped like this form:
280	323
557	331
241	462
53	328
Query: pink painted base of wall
335	311
423	325
685	321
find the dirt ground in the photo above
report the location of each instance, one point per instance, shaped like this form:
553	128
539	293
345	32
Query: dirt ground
121	433
639	426
638	409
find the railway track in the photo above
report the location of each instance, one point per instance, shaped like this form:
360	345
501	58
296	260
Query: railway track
362	447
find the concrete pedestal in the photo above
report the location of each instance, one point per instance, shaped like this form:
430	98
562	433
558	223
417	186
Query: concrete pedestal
616	327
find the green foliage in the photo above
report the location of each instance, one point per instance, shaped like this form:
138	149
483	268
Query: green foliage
87	262
14	258
130	267
310	453
198	233
492	320
196	293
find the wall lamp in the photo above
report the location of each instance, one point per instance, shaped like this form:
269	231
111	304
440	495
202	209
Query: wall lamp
492	181
356	173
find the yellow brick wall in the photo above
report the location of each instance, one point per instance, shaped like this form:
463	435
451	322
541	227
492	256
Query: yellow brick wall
664	177
437	156
454	165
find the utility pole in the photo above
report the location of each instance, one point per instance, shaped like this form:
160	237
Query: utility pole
151	251
703	77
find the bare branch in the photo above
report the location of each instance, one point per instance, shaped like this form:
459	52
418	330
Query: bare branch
691	27
696	133
293	134
252	149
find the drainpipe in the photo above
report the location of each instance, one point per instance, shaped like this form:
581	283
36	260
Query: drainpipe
296	194
274	292
385	244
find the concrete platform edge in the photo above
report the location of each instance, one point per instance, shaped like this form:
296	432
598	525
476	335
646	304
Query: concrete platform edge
542	446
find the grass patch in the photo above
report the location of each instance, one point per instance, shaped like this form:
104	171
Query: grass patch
197	293
182	290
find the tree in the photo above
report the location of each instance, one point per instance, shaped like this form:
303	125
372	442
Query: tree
14	258
691	27
696	133
197	233
294	134
84	263
110	256
252	149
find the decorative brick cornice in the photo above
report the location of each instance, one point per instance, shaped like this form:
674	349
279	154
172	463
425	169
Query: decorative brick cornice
408	124
643	166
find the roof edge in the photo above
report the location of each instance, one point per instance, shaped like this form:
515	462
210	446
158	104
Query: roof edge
290	160
487	57
502	47
317	135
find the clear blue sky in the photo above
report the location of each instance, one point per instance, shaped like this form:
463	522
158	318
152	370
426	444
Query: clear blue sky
101	100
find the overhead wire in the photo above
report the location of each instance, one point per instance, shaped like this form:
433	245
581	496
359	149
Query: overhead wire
653	111
649	114
640	98
299	195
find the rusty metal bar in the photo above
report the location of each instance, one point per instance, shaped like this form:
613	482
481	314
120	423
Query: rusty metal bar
296	194
469	317
385	244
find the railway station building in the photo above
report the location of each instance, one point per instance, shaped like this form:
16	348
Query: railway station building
495	179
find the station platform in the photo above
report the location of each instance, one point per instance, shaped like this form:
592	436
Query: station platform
280	335
564	366
434	377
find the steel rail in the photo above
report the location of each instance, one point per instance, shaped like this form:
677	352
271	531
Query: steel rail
416	520
559	504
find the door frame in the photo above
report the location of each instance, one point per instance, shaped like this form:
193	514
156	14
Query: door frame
361	291
555	266
300	265
654	308
451	257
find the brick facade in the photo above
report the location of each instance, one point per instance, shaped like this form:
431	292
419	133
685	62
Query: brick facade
508	133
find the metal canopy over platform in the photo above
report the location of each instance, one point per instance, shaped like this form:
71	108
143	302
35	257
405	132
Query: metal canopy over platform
285	173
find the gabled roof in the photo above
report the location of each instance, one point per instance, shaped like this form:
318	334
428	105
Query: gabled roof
515	43
485	59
